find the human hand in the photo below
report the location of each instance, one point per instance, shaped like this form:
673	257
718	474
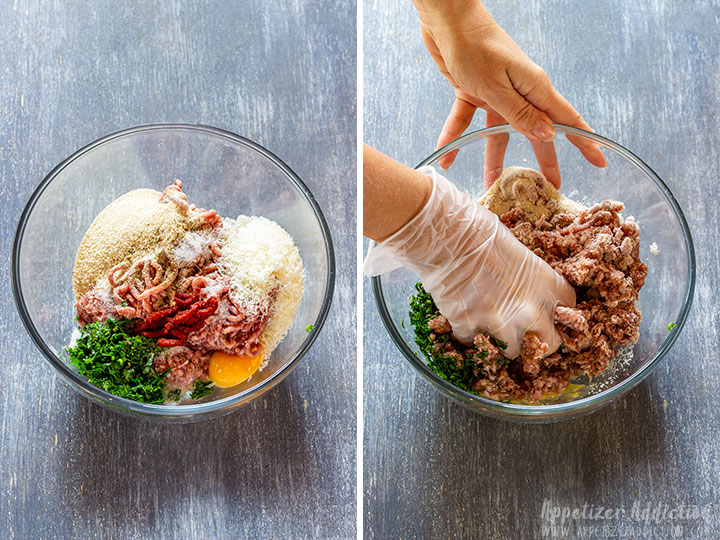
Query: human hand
480	276
488	70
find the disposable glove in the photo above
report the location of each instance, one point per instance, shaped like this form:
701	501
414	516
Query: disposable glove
481	277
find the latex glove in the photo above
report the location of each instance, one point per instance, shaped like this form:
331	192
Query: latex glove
480	276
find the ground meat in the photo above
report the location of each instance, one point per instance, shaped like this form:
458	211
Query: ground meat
483	344
181	298
231	329
532	348
187	366
439	324
96	305
597	251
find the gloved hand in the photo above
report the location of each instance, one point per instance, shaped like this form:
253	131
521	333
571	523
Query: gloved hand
480	276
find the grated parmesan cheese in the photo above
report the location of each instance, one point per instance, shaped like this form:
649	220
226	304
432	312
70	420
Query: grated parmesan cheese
654	249
259	256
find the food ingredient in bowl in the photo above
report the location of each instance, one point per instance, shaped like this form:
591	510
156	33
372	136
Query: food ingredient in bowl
119	362
228	370
595	249
527	191
213	295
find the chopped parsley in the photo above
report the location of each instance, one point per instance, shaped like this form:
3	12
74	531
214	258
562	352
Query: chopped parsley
671	326
453	366
119	362
422	309
481	356
201	389
309	328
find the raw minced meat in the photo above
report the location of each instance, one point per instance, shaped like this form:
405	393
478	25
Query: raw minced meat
187	287
597	251
185	364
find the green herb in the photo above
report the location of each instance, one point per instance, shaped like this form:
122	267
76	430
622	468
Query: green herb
309	328
173	395
118	362
671	326
502	361
201	389
450	368
480	356
499	343
453	367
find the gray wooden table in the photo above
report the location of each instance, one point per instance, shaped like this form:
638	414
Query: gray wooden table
646	75
283	75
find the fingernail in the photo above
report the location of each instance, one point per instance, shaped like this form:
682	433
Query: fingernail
543	131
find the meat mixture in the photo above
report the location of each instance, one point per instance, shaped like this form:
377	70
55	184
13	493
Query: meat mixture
597	251
182	300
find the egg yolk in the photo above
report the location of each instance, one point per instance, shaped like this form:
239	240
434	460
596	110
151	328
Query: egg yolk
228	370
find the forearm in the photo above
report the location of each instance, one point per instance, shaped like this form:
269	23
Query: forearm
392	194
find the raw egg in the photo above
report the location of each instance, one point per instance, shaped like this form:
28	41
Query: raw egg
228	370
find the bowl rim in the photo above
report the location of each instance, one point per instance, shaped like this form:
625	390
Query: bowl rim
97	394
583	404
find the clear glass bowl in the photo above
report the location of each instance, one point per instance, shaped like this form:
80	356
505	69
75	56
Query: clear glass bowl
219	170
665	298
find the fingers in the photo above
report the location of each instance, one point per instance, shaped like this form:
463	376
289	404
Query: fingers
457	122
563	292
511	336
560	293
589	149
560	111
495	154
547	161
549	335
495	147
521	114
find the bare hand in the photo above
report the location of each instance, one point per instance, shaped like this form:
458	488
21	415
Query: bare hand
488	70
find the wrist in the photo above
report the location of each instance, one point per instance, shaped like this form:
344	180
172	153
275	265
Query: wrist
455	14
441	231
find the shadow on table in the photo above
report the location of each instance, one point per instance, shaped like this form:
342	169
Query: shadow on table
123	470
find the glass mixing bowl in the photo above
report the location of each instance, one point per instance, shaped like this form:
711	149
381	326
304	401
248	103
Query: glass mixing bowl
665	299
219	170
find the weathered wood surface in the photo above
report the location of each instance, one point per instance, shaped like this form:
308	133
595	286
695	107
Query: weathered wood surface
282	74
646	75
